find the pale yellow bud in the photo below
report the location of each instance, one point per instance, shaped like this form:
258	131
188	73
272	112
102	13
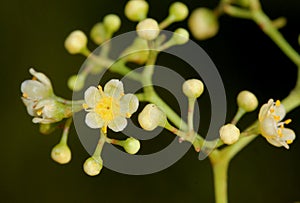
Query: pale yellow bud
136	10
193	88
61	153
112	22
178	11
151	117
92	167
98	33
131	145
229	134
76	82
203	23
181	36
247	101
148	29
76	42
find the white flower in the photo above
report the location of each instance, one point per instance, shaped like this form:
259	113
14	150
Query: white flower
35	90
109	107
40	101
270	117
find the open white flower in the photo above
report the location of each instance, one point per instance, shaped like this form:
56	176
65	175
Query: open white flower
109	107
272	126
34	90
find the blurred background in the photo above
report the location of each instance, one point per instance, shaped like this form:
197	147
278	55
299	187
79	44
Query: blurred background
32	34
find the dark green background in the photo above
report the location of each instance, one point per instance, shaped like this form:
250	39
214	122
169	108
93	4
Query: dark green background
32	33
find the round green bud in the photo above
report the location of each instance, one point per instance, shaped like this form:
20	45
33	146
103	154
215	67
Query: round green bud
247	101
229	134
47	128
92	167
178	11
98	33
193	88
151	117
61	153
136	10
76	42
203	23
112	22
131	145
76	82
181	36
148	29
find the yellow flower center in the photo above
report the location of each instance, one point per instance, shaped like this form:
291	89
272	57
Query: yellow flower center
106	108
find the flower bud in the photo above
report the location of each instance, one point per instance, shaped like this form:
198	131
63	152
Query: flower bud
131	145
151	117
178	11
181	36
247	101
47	129
136	10
137	52
76	82
203	23
61	153
76	42
193	88
148	29
112	22
92	167
229	134
98	33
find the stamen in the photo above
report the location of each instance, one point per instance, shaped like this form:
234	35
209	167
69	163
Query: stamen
104	129
34	78
128	115
279	131
277	103
39	112
85	106
100	90
289	141
288	121
272	110
25	95
277	118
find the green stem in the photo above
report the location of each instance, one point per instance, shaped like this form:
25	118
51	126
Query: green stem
64	137
267	26
239	114
190	117
101	142
220	171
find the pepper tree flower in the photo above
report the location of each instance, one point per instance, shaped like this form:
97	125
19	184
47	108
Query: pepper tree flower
40	100
109	107
272	126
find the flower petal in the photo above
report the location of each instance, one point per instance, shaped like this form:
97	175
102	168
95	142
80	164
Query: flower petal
288	134
34	89
268	128
93	120
279	111
114	88
29	105
41	77
129	104
118	124
263	112
274	142
92	96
